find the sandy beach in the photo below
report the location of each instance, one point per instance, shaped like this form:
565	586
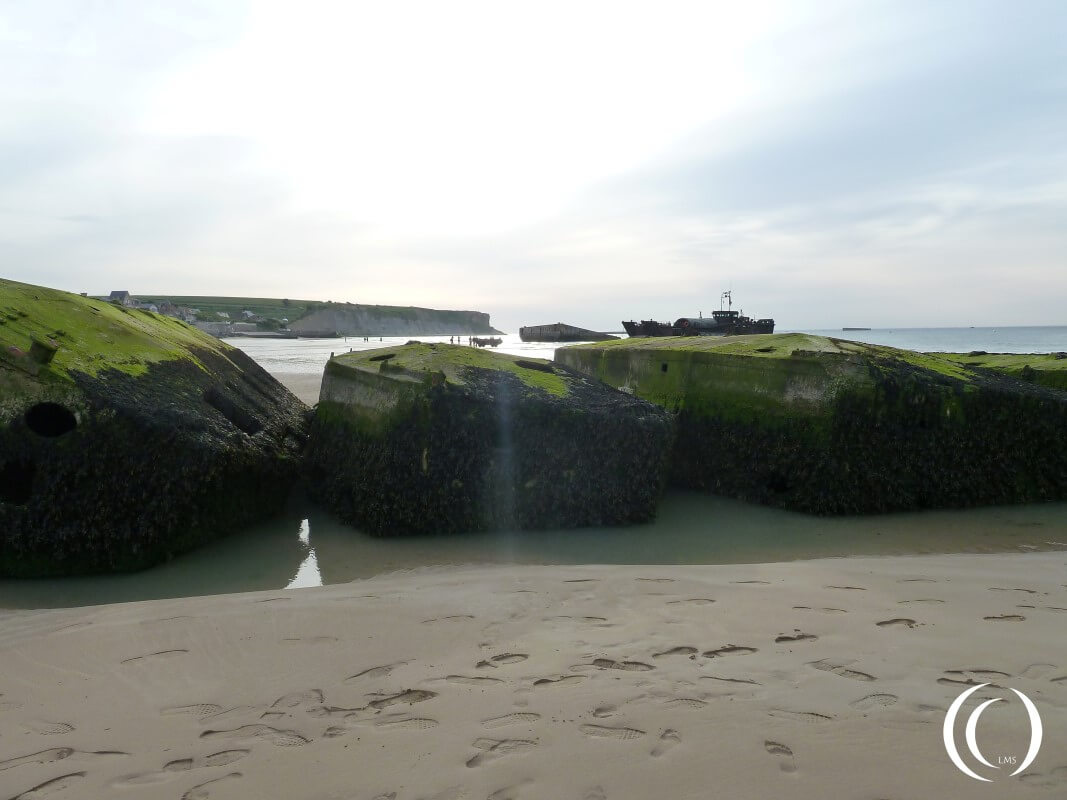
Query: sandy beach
801	680
303	384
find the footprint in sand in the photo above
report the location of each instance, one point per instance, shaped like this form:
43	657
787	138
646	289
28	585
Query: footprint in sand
48	728
730	680
311	697
565	680
49	788
800	716
848	588
897	622
841	671
696	601
972	677
202	791
158	656
508	792
451	793
1056	777
1005	589
627	666
730	650
276	736
497	748
606	732
758	583
1005	618
174	768
56	754
407	724
596	793
467	680
872	701
1038	670
786	762
920	600
795	637
504	658
682	702
197	710
683	650
235	714
667	740
517	718
373	672
823	610
409	696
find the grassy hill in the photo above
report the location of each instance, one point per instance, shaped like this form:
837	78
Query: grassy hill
285	308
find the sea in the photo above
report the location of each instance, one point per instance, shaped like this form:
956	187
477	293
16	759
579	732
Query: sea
309	355
307	546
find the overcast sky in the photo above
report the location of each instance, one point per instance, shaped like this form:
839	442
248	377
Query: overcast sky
836	163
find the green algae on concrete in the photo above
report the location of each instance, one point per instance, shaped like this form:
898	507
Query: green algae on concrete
833	426
127	437
92	335
434	438
1046	369
454	362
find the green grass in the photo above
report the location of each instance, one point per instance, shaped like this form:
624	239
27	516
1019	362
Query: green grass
1010	361
279	308
783	345
1041	368
452	361
93	335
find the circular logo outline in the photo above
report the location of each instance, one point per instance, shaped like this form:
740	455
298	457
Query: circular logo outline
948	732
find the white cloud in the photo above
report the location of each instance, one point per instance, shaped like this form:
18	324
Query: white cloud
577	161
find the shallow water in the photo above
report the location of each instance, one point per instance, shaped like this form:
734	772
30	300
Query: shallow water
308	547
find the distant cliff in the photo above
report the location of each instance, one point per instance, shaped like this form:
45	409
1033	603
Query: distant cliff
360	320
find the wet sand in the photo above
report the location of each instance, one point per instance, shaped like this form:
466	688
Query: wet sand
802	680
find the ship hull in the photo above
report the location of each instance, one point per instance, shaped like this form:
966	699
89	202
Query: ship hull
687	326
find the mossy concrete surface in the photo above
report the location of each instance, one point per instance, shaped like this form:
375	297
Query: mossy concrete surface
433	438
832	426
92	335
1046	369
127	437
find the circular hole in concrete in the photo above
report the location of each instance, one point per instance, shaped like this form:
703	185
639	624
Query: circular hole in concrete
50	419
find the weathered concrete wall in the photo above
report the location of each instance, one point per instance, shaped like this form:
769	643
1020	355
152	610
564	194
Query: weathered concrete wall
439	439
139	440
835	427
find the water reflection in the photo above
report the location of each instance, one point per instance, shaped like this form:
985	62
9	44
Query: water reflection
308	574
307	546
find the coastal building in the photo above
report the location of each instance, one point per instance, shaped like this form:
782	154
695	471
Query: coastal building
122	299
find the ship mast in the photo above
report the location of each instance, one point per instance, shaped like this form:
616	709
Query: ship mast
729	300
